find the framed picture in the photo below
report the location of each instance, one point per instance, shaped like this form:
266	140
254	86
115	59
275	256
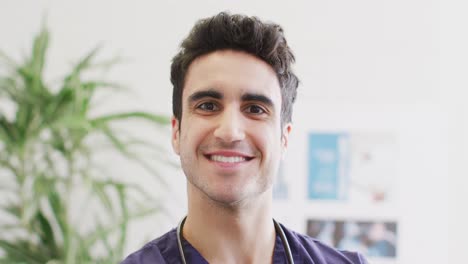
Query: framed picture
374	239
351	166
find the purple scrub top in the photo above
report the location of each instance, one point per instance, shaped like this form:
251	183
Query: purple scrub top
304	250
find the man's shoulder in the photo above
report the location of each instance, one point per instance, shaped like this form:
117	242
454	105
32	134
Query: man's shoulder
155	251
318	252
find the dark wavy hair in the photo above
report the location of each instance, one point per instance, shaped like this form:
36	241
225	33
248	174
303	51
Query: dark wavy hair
241	33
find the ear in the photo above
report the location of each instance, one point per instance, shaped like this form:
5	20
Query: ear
285	137
175	135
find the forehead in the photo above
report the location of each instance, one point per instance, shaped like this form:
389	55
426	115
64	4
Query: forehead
232	73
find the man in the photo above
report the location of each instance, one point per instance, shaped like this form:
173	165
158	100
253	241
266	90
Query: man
232	104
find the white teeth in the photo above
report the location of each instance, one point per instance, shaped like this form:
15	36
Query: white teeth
226	159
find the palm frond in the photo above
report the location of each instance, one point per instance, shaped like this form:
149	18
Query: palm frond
156	119
47	151
82	65
21	252
39	52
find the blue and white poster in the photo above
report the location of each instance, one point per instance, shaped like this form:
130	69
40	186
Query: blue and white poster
328	166
357	167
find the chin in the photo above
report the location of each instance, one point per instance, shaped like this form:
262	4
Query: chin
228	199
235	199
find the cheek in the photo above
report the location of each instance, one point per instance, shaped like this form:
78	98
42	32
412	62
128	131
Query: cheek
192	135
268	140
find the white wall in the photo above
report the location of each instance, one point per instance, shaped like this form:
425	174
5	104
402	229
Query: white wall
366	55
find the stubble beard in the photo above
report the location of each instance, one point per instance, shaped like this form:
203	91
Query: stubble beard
231	197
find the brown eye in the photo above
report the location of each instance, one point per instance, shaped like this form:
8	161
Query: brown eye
208	107
255	109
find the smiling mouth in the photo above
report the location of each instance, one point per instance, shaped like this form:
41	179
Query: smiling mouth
228	159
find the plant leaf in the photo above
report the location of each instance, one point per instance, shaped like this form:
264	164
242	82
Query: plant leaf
83	64
39	52
19	252
157	119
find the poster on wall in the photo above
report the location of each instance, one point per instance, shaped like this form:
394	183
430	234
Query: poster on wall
356	167
328	172
374	239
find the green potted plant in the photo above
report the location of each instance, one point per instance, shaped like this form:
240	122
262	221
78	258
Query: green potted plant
56	204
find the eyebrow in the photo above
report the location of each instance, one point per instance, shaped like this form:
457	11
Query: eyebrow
202	94
257	97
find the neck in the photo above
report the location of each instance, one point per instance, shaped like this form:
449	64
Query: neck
243	233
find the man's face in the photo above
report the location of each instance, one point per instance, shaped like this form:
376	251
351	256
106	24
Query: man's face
230	140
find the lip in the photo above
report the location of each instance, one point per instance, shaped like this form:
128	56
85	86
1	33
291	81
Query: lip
228	153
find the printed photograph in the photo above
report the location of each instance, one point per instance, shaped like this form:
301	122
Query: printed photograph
372	238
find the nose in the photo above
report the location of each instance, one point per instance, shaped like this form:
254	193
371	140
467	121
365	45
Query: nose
230	127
